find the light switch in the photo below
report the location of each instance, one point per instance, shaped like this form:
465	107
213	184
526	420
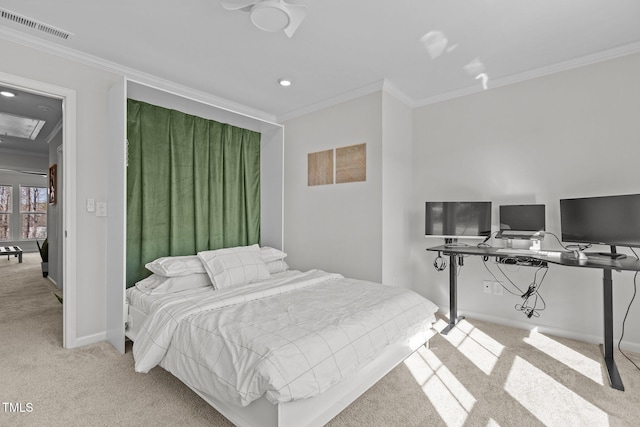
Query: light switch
101	209
91	205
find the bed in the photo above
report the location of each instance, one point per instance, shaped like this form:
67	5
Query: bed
286	348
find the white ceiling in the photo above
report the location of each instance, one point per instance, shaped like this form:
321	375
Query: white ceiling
31	106
343	47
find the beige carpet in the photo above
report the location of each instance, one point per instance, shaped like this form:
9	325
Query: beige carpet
481	374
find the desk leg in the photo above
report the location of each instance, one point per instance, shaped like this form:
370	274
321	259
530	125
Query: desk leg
607	347
453	295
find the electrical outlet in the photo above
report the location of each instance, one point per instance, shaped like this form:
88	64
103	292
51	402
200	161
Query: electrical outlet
497	288
487	286
101	209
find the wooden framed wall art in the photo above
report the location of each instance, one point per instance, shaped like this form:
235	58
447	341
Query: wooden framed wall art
351	163
53	182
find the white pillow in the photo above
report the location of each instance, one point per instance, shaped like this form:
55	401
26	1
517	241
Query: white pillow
156	284
277	266
271	254
172	266
234	266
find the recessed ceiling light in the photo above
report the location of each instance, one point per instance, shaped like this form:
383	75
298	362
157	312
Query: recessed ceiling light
7	94
284	82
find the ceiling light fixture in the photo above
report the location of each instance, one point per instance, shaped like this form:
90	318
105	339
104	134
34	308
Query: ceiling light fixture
7	94
270	15
284	82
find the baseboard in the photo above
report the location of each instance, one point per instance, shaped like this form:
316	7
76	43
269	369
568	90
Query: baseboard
53	281
91	339
558	332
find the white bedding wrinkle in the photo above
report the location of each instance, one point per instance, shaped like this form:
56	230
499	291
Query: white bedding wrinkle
156	333
289	337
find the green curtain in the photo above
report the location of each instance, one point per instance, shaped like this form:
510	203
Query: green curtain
192	184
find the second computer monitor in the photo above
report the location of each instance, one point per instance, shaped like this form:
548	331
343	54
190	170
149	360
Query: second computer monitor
522	221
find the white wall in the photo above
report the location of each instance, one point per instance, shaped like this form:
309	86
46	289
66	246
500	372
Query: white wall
336	227
571	134
397	190
21	161
91	86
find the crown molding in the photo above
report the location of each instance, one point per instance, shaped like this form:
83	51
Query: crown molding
571	64
330	102
131	74
386	85
57	128
390	88
382	85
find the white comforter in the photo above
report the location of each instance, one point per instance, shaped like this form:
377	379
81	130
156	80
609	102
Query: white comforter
292	336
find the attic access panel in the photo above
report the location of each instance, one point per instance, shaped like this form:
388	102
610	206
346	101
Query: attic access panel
20	127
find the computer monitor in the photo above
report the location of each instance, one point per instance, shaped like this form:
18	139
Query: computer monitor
454	220
522	222
605	220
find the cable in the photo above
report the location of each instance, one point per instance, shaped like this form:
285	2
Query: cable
571	247
484	243
507	277
531	296
533	291
635	288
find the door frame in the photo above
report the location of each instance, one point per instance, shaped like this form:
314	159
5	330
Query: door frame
69	249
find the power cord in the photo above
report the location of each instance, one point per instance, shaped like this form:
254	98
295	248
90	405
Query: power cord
499	281
484	243
531	310
531	296
624	321
571	247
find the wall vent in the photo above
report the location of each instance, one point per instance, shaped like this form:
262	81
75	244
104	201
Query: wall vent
35	25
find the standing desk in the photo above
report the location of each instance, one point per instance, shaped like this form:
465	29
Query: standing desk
566	259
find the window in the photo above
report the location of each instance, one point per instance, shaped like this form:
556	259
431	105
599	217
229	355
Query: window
33	209
5	212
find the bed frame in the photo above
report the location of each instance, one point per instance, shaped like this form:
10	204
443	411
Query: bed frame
315	411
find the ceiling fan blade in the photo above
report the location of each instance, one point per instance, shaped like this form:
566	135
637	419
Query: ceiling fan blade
237	4
297	14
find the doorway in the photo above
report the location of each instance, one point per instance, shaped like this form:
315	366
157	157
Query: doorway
64	224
